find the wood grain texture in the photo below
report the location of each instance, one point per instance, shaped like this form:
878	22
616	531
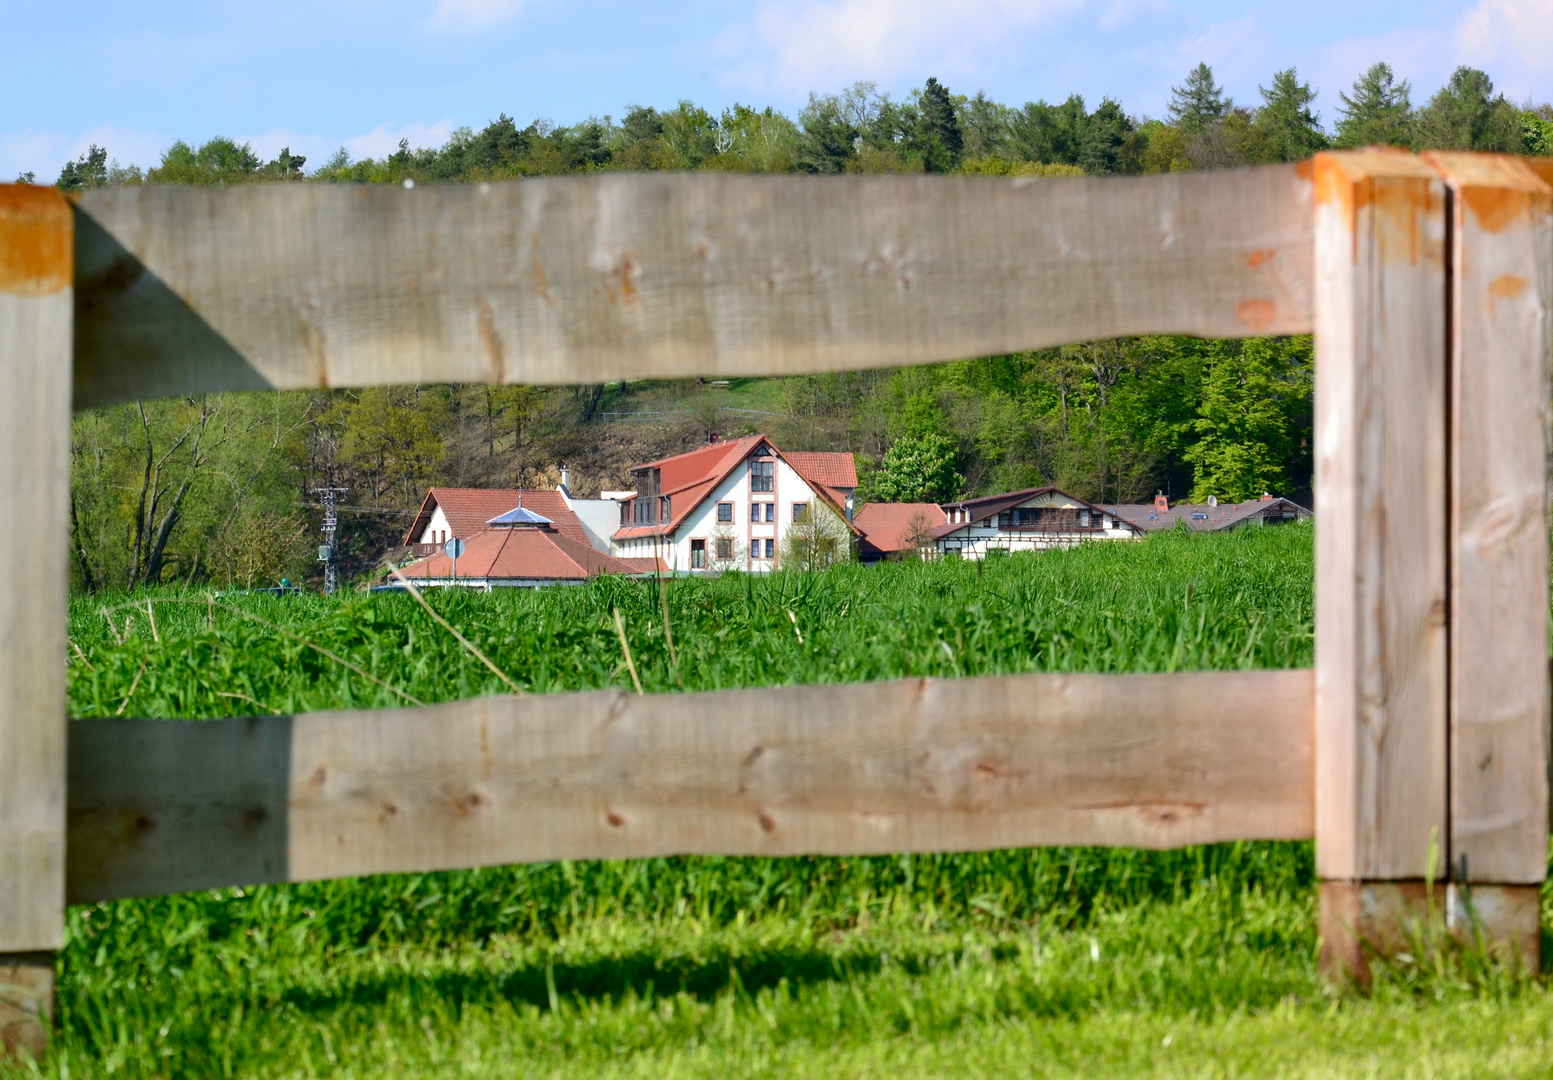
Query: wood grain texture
1501	250
35	314
918	765
1360	920
1380	536
588	279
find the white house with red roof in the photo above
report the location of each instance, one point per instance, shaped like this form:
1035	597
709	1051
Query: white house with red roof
1030	520
466	512
730	504
518	548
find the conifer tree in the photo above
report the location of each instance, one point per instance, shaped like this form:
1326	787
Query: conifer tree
1199	104
938	129
1289	126
1380	112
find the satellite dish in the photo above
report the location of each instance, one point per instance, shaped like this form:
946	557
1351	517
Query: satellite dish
453	548
1213	500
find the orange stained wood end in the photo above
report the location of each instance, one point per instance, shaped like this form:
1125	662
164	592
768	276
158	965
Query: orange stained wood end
1498	189
1542	166
1400	191
37	247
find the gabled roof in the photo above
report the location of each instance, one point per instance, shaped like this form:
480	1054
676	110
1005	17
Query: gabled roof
1212	519
887	528
469	509
688	479
533	554
992	505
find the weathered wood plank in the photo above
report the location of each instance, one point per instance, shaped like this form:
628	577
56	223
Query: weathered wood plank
1364	919
597	278
35	314
1380	489
918	765
1501	250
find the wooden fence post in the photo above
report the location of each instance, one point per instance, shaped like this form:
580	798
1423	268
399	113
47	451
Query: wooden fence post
1501	245
1380	483
36	315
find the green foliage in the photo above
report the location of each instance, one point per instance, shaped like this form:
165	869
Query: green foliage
1254	417
1466	115
90	171
1084	960
937	136
1289	127
917	468
1380	112
1199	103
1537	130
819	540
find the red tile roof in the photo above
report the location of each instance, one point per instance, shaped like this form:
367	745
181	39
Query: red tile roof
468	510
888	527
689	478
533	554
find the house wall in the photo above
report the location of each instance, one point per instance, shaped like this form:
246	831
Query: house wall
702	523
600	520
975	539
436	530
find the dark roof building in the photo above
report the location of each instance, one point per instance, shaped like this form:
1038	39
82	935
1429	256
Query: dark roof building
1209	517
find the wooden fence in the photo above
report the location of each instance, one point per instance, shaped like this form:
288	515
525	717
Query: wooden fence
1423	728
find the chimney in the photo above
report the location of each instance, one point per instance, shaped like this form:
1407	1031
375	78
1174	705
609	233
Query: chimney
1266	497
566	481
1161	504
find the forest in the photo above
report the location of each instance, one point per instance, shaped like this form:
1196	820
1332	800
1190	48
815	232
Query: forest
222	488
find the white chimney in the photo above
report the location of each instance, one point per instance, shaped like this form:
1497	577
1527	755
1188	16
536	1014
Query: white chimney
566	482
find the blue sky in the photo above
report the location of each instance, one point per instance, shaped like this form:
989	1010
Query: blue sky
318	74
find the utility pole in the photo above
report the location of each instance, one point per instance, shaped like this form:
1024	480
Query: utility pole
331	525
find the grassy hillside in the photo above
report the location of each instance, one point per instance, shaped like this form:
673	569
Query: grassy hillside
1043	963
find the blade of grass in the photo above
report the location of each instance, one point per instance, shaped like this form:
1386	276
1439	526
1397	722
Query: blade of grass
320	649
625	647
450	628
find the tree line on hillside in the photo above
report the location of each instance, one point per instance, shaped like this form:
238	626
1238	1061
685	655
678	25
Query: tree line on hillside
931	130
223	488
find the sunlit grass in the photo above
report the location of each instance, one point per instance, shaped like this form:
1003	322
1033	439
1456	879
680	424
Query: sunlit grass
1055	963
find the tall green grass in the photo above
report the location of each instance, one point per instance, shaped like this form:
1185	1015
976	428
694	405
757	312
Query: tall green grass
1053	962
1178	602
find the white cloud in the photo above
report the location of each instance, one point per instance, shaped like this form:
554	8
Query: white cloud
792	46
470	16
1510	38
384	139
44	153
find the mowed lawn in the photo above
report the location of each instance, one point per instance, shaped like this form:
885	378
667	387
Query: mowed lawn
1056	963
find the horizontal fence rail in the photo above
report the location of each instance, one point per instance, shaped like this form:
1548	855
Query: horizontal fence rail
586	280
160	806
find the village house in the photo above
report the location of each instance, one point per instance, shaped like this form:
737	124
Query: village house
896	530
519	548
446	513
1211	516
1031	520
730	505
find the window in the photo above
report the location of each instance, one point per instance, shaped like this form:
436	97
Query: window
770	548
762	476
771	511
725	513
800	513
725	547
698	554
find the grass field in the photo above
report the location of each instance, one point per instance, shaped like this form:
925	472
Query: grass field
1044	963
